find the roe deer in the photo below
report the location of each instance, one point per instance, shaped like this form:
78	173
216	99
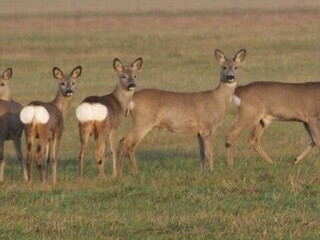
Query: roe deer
261	102
10	125
44	121
198	112
102	115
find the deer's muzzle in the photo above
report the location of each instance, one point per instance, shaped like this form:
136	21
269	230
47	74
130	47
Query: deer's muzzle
69	92
230	78
131	87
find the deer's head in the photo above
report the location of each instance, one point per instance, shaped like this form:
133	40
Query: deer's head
4	82
127	74
67	83
229	66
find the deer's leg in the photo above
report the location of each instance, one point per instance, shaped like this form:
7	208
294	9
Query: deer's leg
17	146
201	149
42	144
99	151
206	141
306	150
112	141
30	137
2	161
54	160
255	139
85	130
243	122
47	158
38	156
128	145
208	150
313	132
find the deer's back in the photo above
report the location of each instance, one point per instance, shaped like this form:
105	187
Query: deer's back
285	101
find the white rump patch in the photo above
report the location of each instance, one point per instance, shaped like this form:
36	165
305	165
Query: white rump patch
99	111
38	114
42	115
86	112
236	100
27	114
83	112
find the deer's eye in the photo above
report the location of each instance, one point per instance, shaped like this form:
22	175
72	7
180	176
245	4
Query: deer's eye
1	84
124	77
63	84
224	67
134	76
72	83
235	68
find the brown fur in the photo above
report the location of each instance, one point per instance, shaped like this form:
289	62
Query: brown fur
10	125
262	102
199	112
117	103
49	134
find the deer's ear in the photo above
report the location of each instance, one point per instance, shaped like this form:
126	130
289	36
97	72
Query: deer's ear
117	65
240	56
75	73
221	58
137	64
57	73
7	74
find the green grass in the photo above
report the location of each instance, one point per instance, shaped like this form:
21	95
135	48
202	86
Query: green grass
170	198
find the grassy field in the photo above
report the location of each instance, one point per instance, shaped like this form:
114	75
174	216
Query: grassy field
170	198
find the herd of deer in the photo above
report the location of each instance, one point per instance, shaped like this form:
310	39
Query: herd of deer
200	112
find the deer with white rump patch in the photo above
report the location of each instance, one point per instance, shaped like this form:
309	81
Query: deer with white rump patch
261	102
44	121
10	125
199	112
102	115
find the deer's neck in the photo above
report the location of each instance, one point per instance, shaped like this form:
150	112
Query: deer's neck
62	103
226	90
6	96
123	96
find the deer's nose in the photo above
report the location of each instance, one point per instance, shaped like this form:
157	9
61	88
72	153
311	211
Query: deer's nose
230	77
69	92
131	86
